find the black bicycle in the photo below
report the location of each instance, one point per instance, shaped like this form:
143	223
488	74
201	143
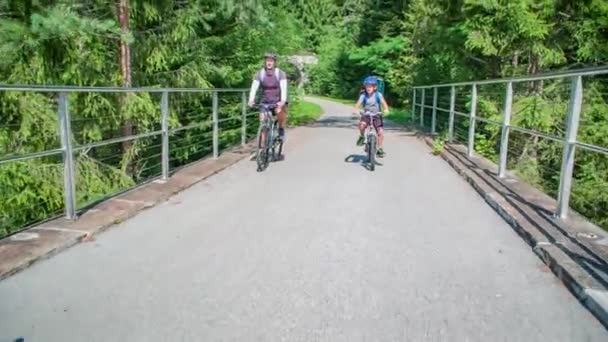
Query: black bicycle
270	144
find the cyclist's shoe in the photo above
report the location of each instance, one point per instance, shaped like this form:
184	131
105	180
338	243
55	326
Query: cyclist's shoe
360	141
380	153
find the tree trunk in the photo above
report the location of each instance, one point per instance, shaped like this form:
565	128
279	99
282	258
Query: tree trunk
122	12
534	87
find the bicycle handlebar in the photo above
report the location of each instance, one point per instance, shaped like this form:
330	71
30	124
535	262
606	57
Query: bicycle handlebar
370	113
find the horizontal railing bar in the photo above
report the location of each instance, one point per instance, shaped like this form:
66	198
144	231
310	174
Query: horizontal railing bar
71	89
490	121
593	148
228	119
561	74
116	140
28	156
538	134
461	114
196	125
443	109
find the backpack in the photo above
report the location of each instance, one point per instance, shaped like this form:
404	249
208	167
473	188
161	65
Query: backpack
277	74
376	96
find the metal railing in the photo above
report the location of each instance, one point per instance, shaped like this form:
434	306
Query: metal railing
461	101
138	135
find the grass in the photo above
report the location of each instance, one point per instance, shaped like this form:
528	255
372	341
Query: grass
399	116
303	112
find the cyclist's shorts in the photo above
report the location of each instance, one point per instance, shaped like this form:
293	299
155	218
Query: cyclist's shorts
378	122
272	103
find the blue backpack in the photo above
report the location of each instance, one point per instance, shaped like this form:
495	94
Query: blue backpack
376	96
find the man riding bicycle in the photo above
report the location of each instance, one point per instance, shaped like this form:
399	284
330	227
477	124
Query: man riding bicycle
274	90
372	101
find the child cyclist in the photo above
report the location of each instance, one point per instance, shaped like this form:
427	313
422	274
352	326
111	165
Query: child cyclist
373	102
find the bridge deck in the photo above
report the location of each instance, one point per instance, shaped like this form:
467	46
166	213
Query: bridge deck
316	248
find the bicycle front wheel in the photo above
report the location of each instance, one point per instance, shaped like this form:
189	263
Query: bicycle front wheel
262	153
371	152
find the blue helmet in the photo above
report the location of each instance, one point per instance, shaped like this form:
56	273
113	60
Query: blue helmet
370	80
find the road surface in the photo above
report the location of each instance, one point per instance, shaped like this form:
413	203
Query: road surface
316	248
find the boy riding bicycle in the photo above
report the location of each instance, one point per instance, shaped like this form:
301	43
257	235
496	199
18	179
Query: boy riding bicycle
372	102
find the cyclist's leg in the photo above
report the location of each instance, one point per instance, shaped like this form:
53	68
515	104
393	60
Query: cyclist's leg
380	130
263	132
281	118
363	123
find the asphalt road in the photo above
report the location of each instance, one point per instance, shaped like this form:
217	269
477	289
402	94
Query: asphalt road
316	248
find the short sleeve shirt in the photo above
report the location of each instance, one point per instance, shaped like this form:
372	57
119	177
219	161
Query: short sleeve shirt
271	87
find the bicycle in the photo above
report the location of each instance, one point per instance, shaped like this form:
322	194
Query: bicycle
268	138
371	139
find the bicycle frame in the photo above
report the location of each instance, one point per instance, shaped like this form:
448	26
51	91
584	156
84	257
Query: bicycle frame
268	137
371	129
269	121
371	139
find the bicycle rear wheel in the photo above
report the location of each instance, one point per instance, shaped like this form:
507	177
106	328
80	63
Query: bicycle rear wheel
371	152
263	148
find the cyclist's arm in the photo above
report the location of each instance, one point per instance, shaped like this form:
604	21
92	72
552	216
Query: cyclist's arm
283	84
254	89
283	91
358	104
384	104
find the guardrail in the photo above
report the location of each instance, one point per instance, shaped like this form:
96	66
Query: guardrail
92	142
548	109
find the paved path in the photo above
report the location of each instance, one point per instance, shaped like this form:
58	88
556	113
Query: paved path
314	249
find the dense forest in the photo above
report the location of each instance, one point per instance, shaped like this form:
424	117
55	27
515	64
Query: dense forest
219	44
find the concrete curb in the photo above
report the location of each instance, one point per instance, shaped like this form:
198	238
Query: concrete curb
41	242
545	243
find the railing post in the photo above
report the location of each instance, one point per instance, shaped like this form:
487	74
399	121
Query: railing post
504	138
164	110
215	126
471	145
434	118
451	123
69	184
422	109
244	119
413	104
574	112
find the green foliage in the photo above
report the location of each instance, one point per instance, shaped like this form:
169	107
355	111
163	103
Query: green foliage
439	143
429	41
303	112
214	43
400	116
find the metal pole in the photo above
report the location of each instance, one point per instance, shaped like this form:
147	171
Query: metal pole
69	184
434	118
215	127
422	110
451	123
472	120
504	138
164	110
244	120
413	103
574	112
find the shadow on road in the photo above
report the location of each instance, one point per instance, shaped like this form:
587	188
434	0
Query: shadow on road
352	122
359	159
335	121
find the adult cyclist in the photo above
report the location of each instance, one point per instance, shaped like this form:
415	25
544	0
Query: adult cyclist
274	89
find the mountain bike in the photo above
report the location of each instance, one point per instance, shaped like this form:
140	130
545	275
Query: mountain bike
270	144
